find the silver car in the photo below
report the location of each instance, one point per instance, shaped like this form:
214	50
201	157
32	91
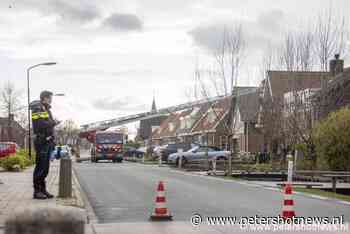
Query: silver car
198	153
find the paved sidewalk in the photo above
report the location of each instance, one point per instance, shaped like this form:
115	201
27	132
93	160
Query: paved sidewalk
17	191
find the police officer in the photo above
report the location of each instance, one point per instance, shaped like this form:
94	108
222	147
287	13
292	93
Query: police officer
43	127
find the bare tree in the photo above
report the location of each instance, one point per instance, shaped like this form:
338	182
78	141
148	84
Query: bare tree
223	78
296	52
288	53
331	37
10	105
289	124
10	100
228	57
67	133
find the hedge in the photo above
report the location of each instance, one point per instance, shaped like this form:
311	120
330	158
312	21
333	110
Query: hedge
18	161
332	138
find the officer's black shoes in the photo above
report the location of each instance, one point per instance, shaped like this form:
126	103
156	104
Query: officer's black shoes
48	195
39	196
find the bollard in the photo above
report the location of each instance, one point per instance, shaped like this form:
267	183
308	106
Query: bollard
214	166
160	160
180	158
77	153
46	220
65	179
180	162
143	158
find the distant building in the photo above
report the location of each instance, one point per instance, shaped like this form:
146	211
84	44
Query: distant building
11	130
150	124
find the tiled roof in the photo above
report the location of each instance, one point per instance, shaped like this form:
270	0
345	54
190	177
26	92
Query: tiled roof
203	117
190	118
167	128
285	81
214	115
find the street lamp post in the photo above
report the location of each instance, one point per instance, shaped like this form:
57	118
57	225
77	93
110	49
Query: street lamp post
28	95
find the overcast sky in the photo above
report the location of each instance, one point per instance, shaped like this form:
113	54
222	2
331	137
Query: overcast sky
113	55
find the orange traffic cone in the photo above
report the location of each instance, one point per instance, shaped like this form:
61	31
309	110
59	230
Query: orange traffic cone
161	211
288	204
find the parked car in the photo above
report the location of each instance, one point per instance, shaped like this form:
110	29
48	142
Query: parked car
197	153
133	152
168	149
8	148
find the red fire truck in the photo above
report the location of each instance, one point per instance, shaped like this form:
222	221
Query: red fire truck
106	145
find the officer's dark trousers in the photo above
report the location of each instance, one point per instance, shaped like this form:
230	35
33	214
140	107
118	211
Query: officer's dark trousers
42	165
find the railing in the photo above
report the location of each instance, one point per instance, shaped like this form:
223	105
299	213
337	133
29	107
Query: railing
220	167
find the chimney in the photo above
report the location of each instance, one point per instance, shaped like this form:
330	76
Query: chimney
11	117
336	65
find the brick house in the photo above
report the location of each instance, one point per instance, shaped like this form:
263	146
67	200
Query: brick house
336	94
211	128
277	92
188	120
207	123
11	130
166	133
249	137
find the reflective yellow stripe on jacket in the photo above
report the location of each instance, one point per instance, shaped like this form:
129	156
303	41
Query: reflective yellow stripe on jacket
40	115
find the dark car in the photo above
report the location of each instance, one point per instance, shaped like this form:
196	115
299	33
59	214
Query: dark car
133	152
171	148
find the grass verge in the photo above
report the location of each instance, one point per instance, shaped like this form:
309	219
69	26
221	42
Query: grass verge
323	193
230	177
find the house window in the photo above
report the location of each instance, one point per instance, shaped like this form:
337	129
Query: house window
211	116
224	142
194	112
182	123
171	126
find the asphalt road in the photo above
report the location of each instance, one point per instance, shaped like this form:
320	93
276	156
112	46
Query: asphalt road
125	193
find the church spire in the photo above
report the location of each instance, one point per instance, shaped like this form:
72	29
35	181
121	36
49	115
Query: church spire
154	108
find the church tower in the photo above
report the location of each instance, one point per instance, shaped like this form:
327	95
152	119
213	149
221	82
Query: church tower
154	108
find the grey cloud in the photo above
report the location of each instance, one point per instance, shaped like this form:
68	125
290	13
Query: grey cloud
123	104
210	36
102	72
124	22
271	21
81	13
258	32
77	11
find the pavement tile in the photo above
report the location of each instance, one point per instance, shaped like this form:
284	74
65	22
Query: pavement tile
17	191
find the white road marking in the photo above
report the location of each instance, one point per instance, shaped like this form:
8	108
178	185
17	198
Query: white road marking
318	197
344	202
273	189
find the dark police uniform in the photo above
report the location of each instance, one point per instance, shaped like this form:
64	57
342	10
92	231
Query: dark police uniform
43	127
